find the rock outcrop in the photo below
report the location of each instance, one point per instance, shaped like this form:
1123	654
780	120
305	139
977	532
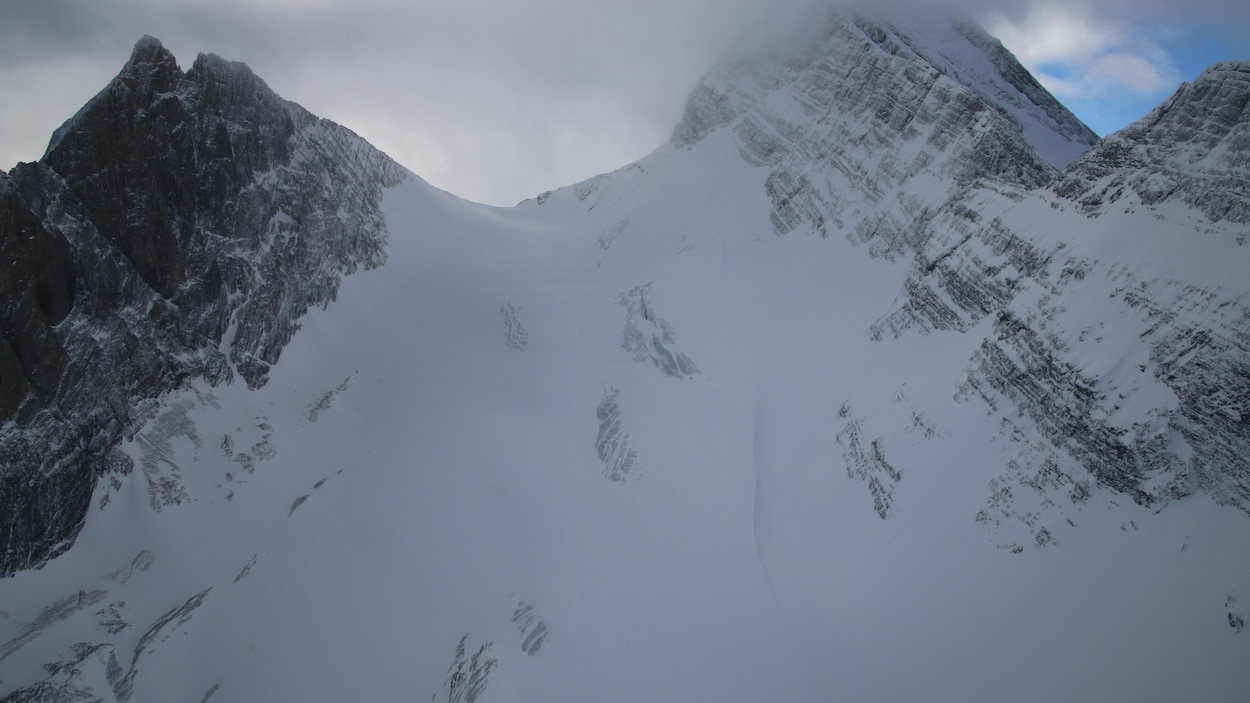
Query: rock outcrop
177	228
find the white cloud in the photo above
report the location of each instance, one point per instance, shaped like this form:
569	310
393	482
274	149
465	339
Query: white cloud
25	130
1076	53
1133	71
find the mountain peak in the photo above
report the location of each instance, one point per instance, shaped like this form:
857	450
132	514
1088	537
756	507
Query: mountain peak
860	114
151	69
154	214
960	48
149	49
1216	103
1239	69
1194	147
865	64
221	83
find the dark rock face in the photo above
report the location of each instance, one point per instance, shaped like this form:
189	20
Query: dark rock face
1193	151
963	270
1193	148
1022	366
133	184
177	228
38	277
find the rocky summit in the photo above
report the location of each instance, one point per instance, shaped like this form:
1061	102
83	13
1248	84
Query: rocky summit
883	379
177	228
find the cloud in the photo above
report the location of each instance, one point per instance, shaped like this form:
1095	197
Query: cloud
1077	54
1135	72
497	100
470	95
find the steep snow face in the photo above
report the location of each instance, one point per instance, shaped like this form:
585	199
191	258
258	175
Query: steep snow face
912	432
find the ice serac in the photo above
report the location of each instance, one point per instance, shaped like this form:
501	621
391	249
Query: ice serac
177	228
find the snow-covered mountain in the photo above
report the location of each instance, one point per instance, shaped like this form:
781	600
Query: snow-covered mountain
846	392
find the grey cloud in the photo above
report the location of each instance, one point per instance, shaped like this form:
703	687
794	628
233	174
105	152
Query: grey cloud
472	95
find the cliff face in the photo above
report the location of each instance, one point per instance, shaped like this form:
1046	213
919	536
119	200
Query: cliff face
178	227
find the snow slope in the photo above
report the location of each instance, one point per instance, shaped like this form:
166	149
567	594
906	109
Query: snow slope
414	477
635	442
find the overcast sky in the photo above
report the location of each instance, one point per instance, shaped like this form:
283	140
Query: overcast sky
498	100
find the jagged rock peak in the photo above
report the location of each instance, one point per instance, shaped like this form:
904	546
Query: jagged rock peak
177	229
131	129
150	52
150	67
1193	148
225	83
149	49
152	71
